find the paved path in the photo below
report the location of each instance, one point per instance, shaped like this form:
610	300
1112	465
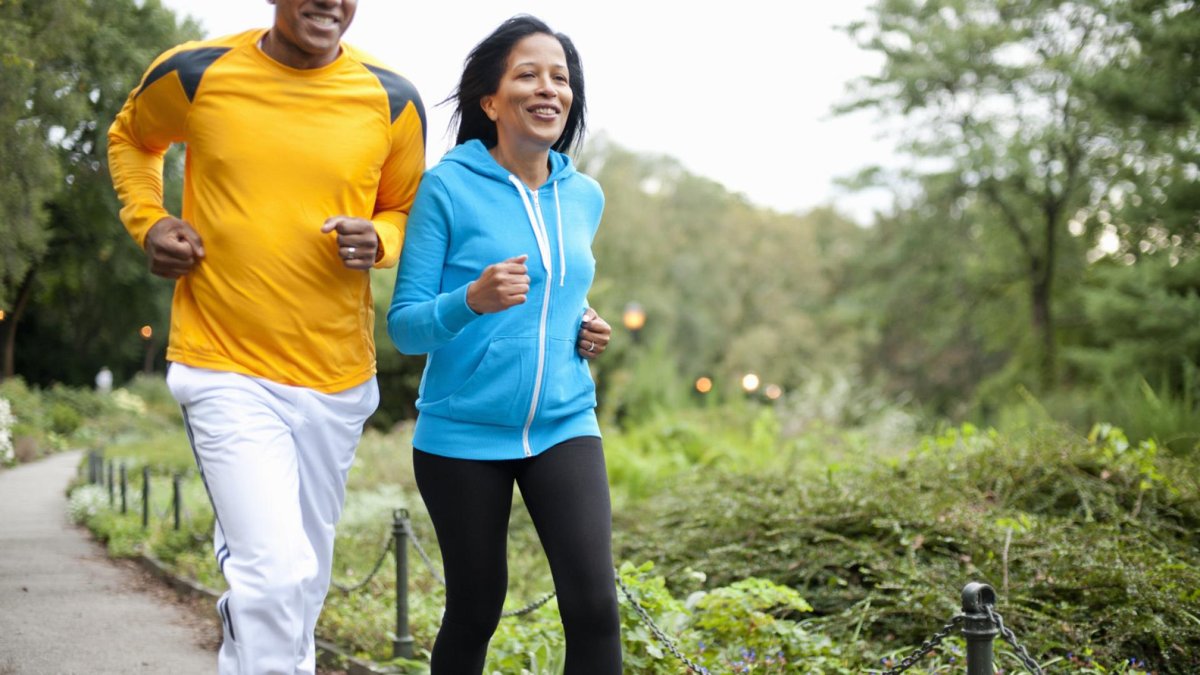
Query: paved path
65	609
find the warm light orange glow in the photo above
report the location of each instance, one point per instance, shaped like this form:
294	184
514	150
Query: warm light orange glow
750	382
703	385
773	391
634	316
146	332
1	315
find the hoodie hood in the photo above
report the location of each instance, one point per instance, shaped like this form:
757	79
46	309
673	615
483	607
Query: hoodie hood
475	156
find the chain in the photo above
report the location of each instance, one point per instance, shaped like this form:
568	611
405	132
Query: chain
528	608
1011	638
658	633
926	647
412	537
387	546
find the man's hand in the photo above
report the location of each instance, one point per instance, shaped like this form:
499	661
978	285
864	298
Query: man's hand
501	286
173	248
357	241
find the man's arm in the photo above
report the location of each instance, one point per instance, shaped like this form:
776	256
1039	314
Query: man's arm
398	182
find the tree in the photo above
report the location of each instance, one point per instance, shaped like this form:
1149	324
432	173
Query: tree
37	41
990	94
92	291
727	287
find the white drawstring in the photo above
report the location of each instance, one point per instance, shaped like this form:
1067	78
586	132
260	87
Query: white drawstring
538	232
539	228
562	259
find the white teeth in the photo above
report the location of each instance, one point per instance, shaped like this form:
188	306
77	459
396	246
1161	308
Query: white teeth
323	20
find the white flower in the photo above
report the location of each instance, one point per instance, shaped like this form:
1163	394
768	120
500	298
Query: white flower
7	420
129	401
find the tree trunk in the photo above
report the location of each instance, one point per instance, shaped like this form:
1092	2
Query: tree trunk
1043	326
10	328
1043	311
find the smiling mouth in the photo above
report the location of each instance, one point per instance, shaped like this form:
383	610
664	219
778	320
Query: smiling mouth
544	110
322	20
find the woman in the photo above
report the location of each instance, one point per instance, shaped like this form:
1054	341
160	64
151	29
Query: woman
492	285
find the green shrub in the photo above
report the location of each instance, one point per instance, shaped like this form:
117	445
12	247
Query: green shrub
1090	543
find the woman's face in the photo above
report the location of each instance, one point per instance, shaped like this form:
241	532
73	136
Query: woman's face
531	104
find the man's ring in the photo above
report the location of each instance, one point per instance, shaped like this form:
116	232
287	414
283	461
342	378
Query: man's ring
591	346
350	251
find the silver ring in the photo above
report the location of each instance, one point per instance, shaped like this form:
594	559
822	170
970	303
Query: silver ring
350	251
592	346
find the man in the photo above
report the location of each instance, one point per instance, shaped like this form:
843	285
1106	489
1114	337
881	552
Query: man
303	157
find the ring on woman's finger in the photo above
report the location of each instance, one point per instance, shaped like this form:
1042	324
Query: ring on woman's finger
350	251
591	345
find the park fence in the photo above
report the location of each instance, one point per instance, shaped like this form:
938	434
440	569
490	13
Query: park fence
979	622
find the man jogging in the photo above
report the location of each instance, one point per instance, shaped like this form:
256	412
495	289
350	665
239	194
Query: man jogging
303	157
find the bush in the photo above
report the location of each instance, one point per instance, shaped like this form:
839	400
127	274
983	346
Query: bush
1089	542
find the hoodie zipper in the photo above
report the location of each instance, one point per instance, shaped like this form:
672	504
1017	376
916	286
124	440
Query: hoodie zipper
541	233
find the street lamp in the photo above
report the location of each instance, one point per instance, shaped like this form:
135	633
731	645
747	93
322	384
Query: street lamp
634	318
750	383
148	357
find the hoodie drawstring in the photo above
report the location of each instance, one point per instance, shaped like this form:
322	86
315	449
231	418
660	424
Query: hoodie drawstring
539	228
562	259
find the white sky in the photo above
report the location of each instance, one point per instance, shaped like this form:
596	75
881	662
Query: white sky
742	97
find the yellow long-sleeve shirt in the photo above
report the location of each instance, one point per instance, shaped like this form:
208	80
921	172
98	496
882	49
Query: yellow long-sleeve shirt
272	152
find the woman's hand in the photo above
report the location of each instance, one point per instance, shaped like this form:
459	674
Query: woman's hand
501	286
594	335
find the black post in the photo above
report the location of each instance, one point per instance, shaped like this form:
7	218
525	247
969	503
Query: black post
111	495
978	627
175	497
145	497
402	646
124	485
93	470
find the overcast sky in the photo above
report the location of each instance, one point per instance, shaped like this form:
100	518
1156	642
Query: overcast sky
741	96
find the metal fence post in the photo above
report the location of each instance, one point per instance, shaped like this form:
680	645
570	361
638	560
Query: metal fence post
978	627
402	646
124	485
111	495
145	497
175	496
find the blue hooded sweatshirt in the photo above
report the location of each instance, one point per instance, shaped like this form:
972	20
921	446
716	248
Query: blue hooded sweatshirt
510	384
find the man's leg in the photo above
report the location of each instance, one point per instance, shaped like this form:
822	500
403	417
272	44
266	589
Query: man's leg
241	433
326	439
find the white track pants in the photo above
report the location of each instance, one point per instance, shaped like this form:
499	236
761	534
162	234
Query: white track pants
274	459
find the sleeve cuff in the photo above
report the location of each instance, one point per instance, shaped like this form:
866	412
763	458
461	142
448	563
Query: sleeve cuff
453	312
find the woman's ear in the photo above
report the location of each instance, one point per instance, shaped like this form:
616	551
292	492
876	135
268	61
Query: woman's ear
489	107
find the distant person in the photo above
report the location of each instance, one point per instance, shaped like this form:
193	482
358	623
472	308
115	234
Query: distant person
493	286
303	158
104	380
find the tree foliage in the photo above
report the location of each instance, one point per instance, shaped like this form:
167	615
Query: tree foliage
1047	136
86	281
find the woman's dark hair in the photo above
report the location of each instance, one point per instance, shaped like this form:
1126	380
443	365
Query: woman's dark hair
484	68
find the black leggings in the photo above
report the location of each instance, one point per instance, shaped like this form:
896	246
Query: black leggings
566	493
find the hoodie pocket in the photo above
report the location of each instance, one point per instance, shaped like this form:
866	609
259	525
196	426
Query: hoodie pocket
568	385
501	388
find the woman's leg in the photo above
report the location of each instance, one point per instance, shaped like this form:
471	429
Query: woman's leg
566	492
469	503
